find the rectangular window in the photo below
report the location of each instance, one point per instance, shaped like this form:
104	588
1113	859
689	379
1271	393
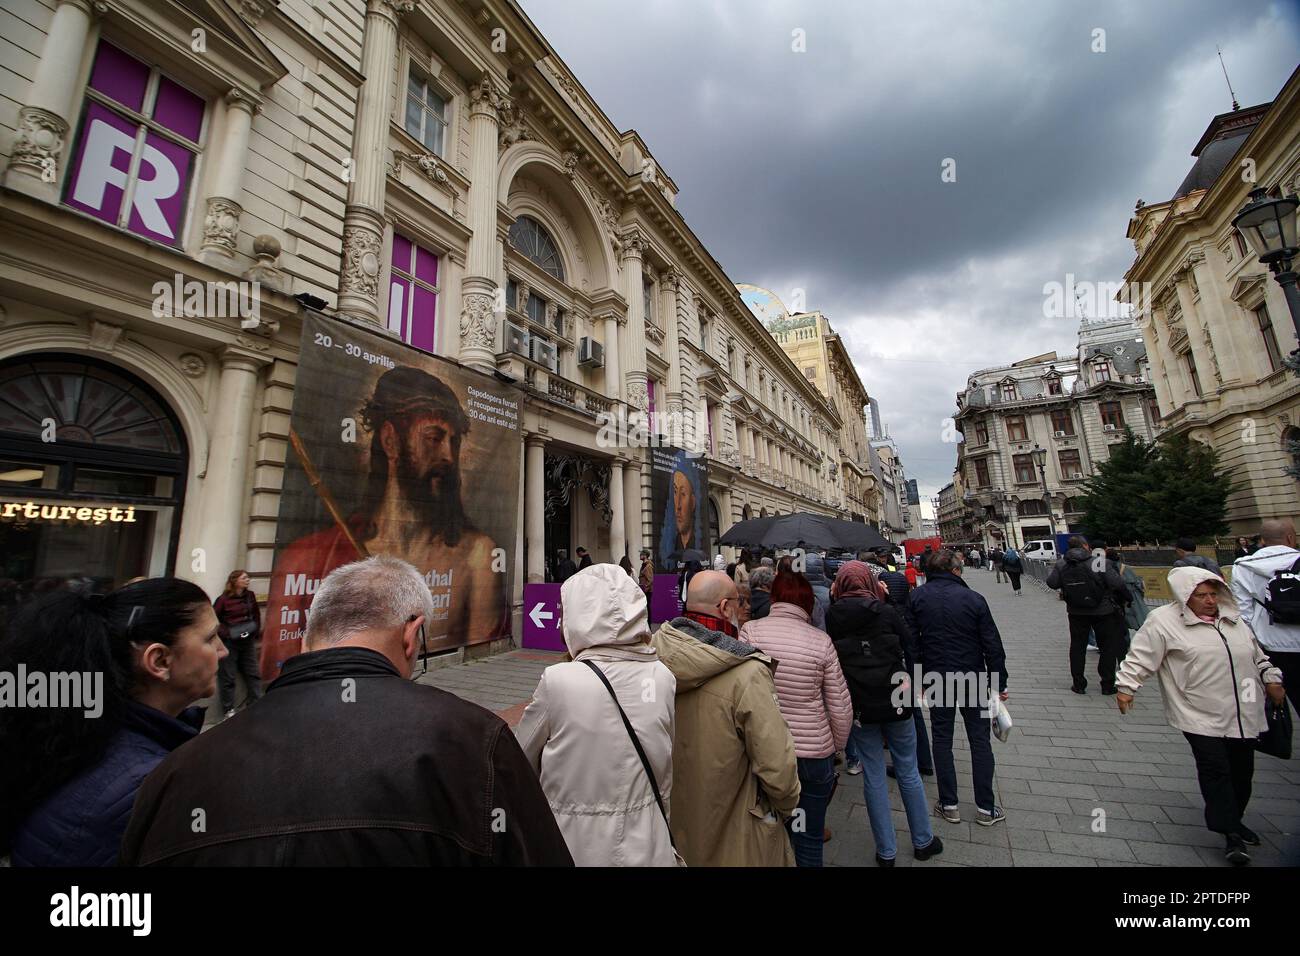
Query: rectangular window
1008	392
1154	407
1054	386
1025	473
413	293
1069	459
647	297
982	474
512	295
1016	428
1111	415
136	149
1062	422
1032	508
1270	338
981	434
1193	374
536	308
1102	370
426	113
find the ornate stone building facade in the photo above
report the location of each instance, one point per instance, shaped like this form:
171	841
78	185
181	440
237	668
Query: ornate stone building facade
434	170
1072	407
1216	325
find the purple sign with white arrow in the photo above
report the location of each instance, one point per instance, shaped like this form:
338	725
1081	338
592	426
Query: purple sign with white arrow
542	617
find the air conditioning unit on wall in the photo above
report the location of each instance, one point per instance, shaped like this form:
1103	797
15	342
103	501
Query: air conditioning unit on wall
1059	434
591	354
543	352
514	338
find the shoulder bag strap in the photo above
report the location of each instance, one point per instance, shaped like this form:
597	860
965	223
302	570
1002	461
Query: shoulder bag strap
636	742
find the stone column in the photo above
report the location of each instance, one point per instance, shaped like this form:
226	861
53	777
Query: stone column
724	519
617	536
535	506
613	383
1216	321
221	223
1156	339
669	281
1207	366
363	219
632	509
478	330
36	162
223	518
635	371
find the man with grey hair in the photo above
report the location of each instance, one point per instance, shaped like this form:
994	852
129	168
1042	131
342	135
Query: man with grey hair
346	761
760	591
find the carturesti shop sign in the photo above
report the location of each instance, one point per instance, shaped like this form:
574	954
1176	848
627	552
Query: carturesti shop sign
31	511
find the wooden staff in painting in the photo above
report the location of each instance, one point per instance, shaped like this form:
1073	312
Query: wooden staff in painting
318	485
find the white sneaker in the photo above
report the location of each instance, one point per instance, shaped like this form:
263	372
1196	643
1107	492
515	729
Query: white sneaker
854	768
229	713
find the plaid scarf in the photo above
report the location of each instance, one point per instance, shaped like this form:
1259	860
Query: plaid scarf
712	623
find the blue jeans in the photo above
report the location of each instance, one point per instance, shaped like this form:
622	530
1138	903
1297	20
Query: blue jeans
816	784
868	741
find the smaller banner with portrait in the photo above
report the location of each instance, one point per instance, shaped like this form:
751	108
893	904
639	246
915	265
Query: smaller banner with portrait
679	484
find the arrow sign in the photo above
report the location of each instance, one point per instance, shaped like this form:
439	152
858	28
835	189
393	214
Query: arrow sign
542	617
538	615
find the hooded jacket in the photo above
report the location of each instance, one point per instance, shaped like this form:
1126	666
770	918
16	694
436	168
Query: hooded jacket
1250	579
735	776
575	740
856	624
810	688
1116	593
345	762
1209	673
815	572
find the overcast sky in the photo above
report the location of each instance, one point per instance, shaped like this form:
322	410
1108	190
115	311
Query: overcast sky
821	170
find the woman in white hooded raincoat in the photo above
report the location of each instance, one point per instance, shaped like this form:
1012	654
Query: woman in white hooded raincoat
572	733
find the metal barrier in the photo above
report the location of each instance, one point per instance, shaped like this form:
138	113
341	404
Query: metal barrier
1154	579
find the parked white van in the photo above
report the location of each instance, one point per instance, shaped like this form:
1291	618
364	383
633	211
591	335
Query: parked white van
1043	549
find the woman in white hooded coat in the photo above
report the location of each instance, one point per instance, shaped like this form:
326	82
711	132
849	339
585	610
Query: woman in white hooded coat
572	733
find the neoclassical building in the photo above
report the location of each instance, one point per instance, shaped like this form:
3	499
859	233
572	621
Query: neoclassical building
1072	408
1216	324
432	170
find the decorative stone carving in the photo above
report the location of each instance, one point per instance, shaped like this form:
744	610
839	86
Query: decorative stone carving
266	270
221	225
487	97
400	7
104	335
513	128
477	327
426	164
631	242
257	345
193	365
637	395
361	248
522	292
39	141
252	11
570	161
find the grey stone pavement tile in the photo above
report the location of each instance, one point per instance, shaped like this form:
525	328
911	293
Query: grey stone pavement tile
1068	757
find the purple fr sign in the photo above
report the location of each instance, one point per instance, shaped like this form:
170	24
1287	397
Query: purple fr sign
542	617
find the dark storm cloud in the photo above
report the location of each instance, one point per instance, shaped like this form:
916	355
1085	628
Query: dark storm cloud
821	170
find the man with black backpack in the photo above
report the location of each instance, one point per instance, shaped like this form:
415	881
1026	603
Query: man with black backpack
1095	598
1266	585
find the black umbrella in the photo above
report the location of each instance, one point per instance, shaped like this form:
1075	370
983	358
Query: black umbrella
691	554
819	532
748	533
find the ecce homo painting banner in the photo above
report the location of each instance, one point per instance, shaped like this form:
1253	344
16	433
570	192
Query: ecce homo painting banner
395	451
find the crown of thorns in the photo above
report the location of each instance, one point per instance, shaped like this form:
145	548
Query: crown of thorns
378	410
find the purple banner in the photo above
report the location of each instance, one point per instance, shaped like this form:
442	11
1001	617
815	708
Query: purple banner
158	205
542	617
665	602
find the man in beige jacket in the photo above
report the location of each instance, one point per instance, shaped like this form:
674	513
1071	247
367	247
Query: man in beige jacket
735	777
1213	677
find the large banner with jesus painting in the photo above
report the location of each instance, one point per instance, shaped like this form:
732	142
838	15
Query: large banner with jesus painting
395	451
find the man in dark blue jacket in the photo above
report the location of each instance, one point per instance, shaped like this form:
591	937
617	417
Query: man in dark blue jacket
959	647
899	595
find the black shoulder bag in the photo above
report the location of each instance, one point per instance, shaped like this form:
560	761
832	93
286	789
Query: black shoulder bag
640	752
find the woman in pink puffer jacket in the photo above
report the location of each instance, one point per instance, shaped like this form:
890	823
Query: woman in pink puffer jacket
814	701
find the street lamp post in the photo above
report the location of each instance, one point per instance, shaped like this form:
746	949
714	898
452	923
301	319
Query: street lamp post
1040	459
1269	226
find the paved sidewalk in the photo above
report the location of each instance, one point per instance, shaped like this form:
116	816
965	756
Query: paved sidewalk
1068	757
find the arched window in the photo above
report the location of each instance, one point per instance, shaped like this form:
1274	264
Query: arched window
532	241
747	512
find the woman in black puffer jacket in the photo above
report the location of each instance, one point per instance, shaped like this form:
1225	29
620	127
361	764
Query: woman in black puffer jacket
869	638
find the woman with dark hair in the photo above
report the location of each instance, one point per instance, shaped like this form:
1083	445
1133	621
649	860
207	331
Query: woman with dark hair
813	698
870	638
626	565
240	620
140	656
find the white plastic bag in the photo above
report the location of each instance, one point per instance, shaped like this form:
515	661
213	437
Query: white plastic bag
999	718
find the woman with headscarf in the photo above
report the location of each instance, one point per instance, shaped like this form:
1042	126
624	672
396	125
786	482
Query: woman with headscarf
1211	670
870	638
603	796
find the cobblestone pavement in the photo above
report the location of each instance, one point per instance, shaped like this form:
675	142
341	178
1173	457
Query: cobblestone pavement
1067	757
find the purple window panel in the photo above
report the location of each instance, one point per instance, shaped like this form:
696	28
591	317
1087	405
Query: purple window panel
161	188
98	174
178	110
119	76
426	266
402	253
423	312
399	300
